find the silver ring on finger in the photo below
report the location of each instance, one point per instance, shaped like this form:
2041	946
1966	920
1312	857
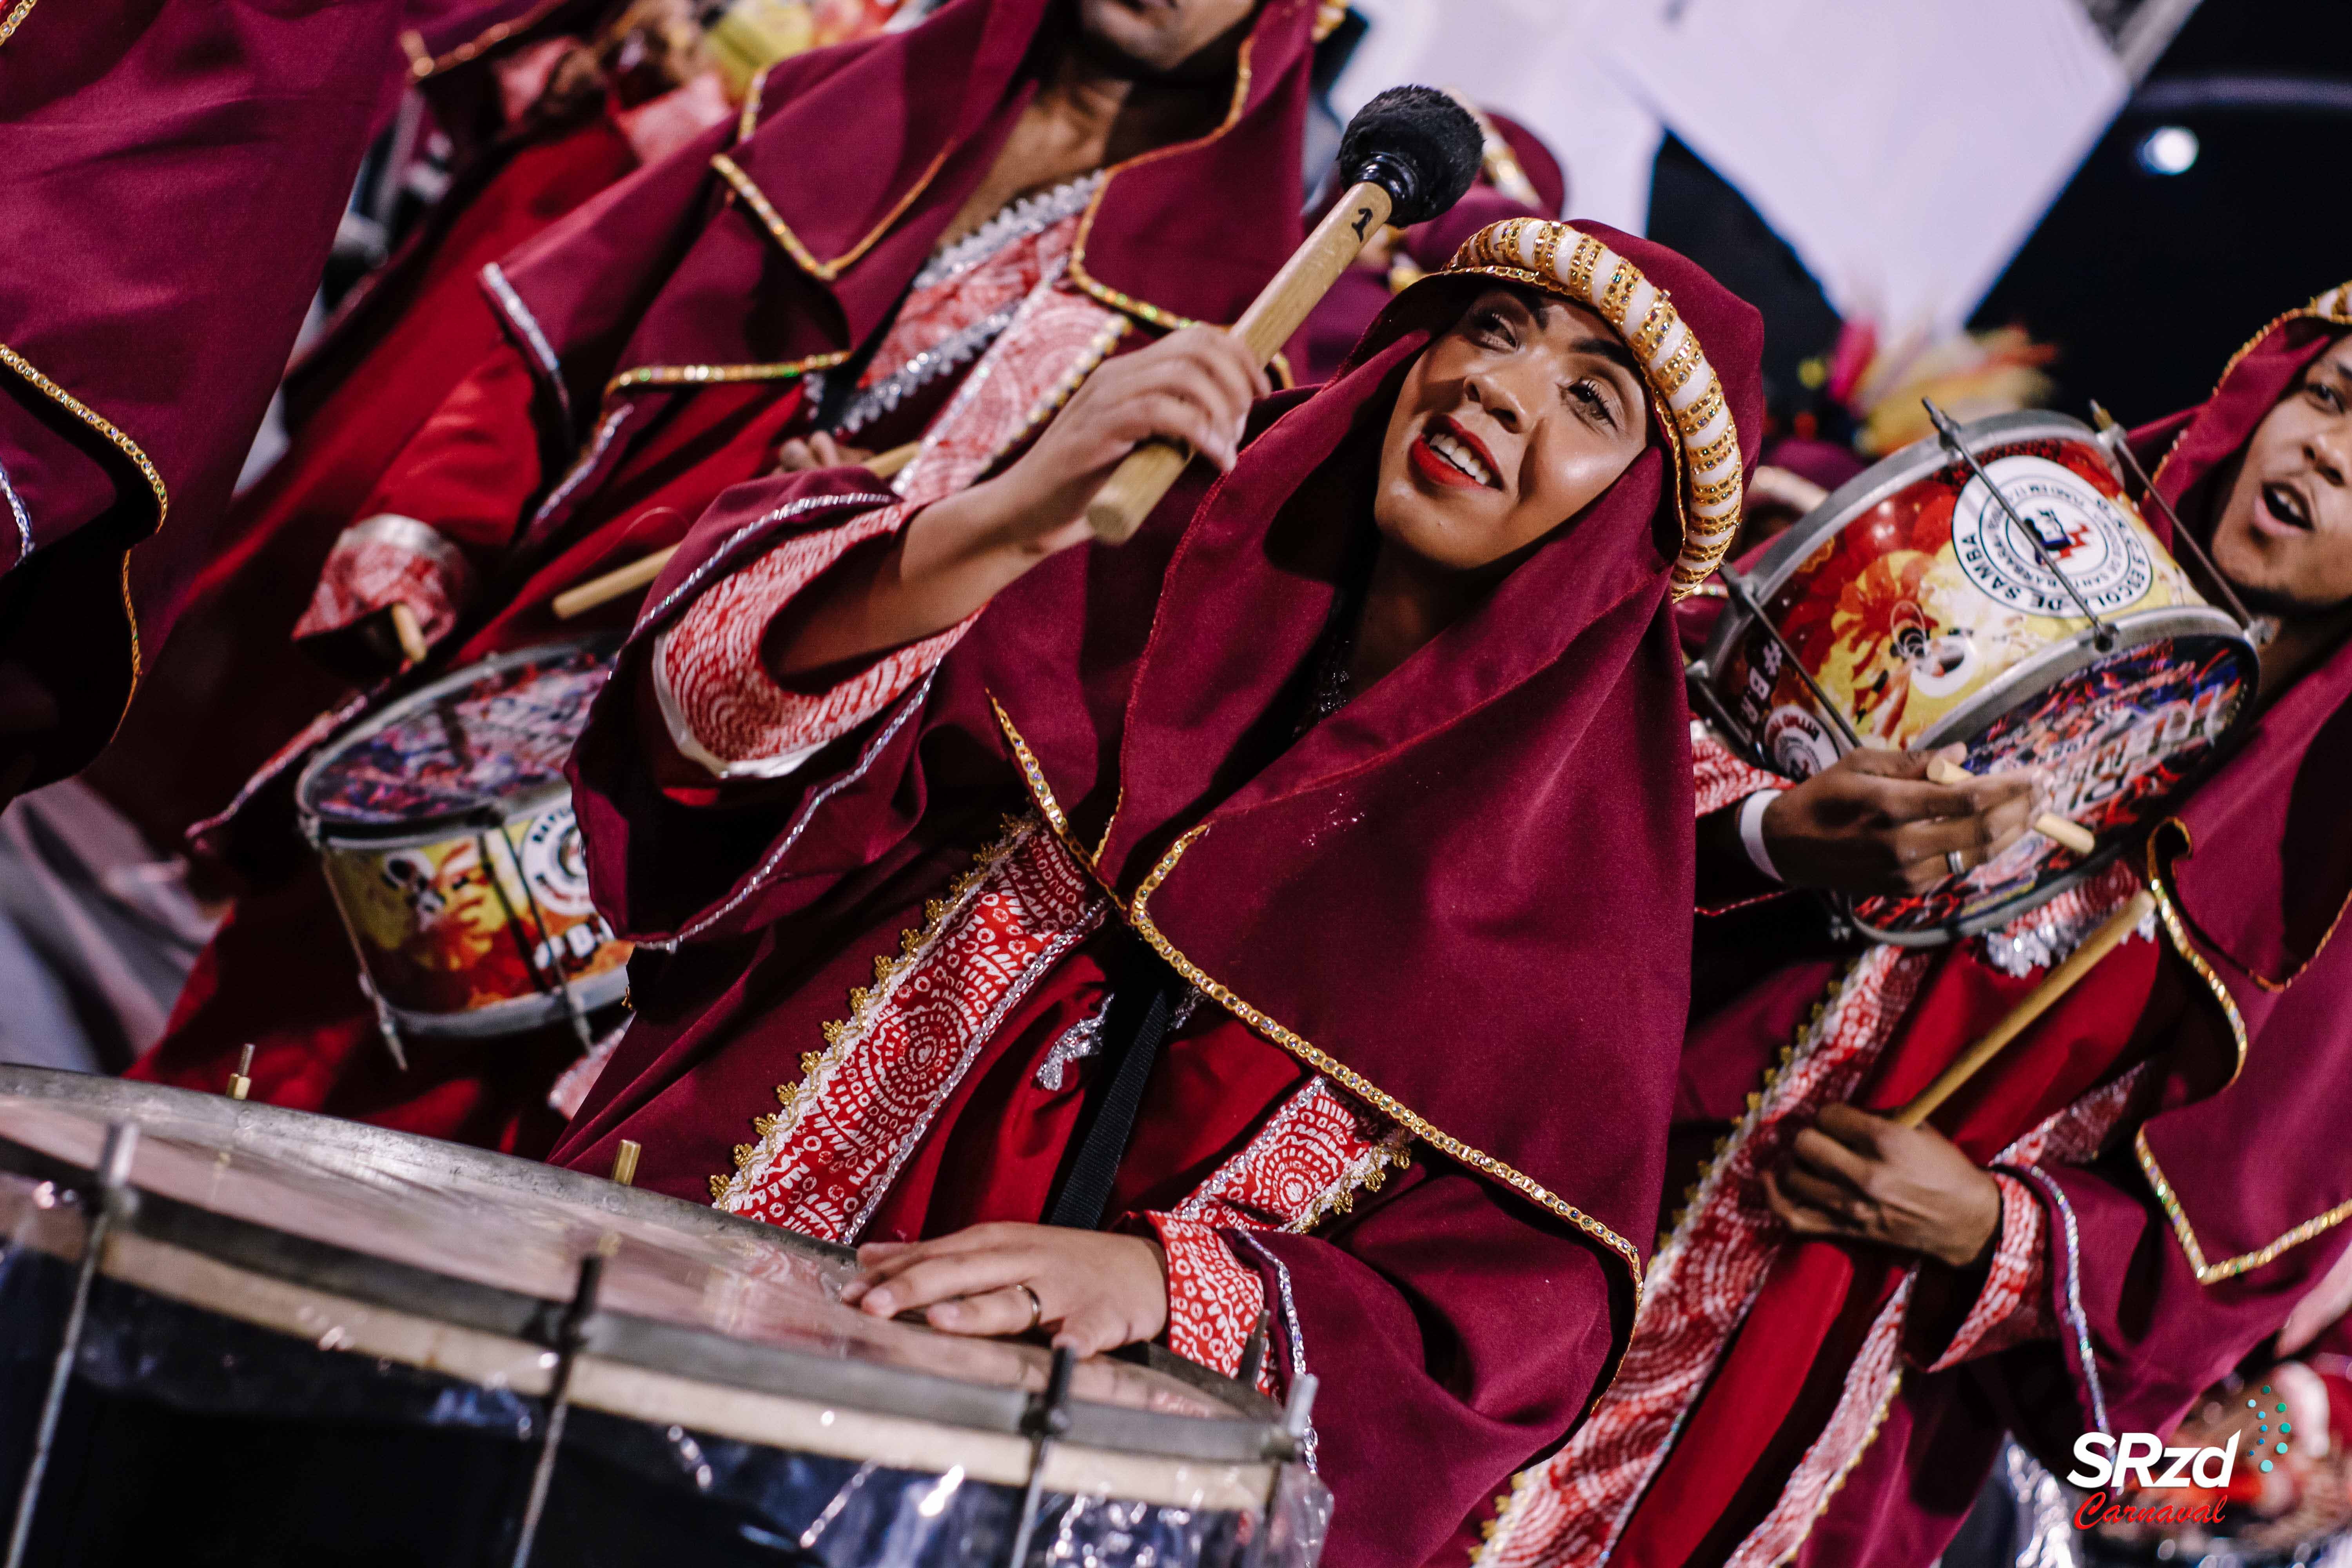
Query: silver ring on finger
1953	859
1036	1308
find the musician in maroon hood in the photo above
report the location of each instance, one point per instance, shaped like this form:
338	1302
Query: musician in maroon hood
1336	827
2133	1196
997	200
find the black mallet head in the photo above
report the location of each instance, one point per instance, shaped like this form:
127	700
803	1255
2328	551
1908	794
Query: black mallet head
1416	143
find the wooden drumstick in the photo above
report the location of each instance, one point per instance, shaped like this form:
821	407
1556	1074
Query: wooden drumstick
2038	1001
625	1161
1409	154
412	646
575	602
240	1083
2048	824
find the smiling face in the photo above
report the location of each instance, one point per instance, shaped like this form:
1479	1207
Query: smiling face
1157	37
1507	425
2284	537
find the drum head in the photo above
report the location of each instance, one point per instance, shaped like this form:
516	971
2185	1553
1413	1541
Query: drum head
1931	609
489	738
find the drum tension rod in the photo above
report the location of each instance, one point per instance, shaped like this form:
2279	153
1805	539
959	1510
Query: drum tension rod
2103	636
1048	1417
1737	586
2120	445
113	1197
570	1334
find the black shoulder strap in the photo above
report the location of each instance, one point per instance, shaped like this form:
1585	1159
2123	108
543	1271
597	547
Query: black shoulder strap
1144	993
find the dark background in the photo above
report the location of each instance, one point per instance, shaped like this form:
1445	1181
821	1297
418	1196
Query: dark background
2146	283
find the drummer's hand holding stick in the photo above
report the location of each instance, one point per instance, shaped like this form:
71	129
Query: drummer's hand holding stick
957	553
1092	1291
1887	822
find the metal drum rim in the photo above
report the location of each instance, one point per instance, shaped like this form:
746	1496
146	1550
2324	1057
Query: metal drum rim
1894	472
442	824
691	1353
515	1015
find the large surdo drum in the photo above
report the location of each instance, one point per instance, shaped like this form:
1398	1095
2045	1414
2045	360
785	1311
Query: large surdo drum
1928	617
445	831
309	1341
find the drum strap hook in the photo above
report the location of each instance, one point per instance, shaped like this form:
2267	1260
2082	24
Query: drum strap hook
1048	1417
112	1201
570	1334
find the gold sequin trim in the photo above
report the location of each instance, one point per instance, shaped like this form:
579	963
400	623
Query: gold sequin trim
2229	1268
1581	263
1355	1083
750	120
1546	250
1721	490
2176	928
781	232
422	65
122	444
702	374
1708	404
1143	309
1619	294
841	1037
1677	372
16	19
1655	327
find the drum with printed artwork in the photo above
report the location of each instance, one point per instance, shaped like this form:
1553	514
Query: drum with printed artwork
445	831
1925	614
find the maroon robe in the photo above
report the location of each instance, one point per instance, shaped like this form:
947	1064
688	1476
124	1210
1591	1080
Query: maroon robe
1460	901
137	362
656	339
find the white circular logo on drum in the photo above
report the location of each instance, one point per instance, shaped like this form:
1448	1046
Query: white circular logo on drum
2083	533
555	861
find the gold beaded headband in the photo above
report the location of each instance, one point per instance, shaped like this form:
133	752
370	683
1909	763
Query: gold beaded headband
1563	260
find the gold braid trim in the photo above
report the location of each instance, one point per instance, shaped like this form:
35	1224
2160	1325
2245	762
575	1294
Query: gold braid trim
1837	1482
781	232
2176	928
1138	916
114	437
422	65
841	1037
14	19
1143	309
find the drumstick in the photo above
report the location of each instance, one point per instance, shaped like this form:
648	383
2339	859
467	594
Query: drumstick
2048	824
604	590
240	1083
625	1161
1409	154
2121	447
412	646
2038	1001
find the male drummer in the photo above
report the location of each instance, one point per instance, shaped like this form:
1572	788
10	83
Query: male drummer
1063	182
1844	1312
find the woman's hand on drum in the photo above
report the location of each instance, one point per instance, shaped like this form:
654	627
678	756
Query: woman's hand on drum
1871	824
1093	1290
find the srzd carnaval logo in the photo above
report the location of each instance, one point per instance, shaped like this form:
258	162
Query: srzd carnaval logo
2141	1461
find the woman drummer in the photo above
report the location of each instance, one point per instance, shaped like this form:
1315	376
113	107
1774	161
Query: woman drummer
1357	784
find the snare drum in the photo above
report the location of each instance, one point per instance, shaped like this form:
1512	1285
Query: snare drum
1928	617
445	831
313	1340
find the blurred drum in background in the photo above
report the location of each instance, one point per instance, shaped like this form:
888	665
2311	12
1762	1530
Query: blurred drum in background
445	831
1922	613
312	1340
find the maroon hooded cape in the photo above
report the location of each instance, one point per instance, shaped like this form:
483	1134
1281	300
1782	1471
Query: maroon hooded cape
173	179
2175	1253
677	283
1462	898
